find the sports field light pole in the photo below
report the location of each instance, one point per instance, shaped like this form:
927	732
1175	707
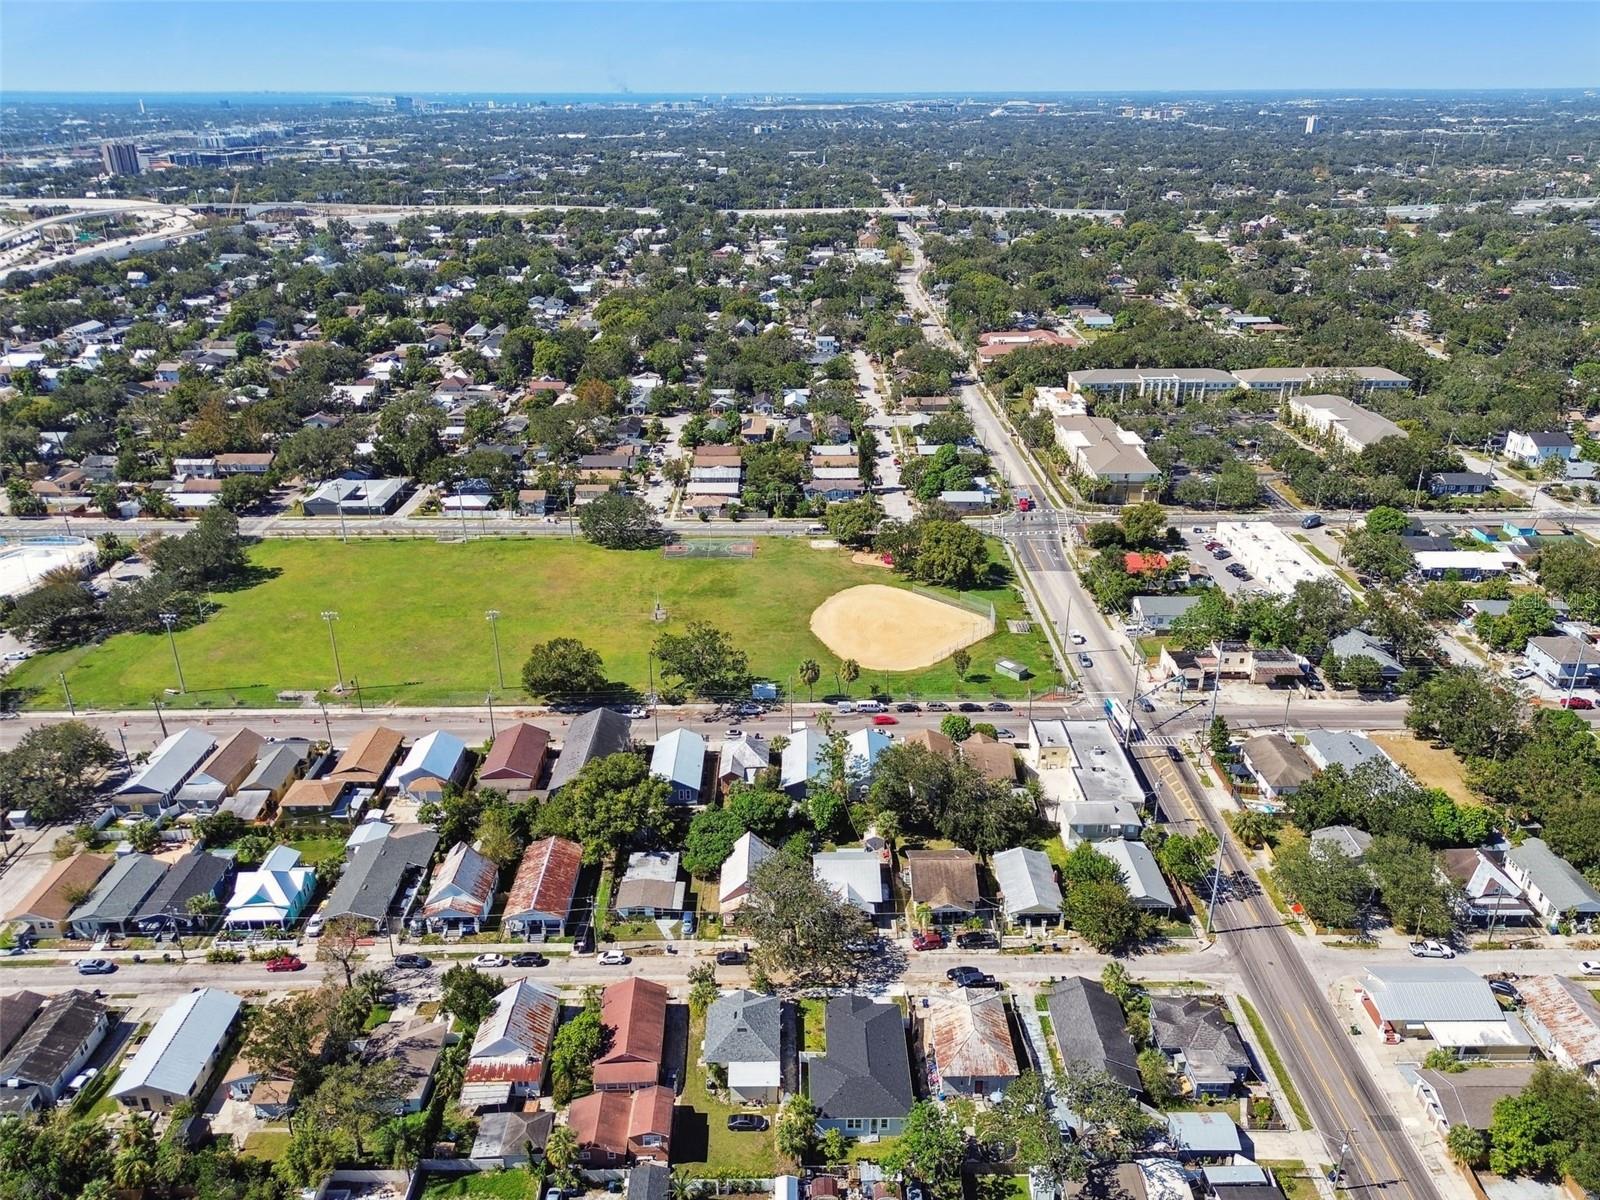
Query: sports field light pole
494	631
169	619
330	616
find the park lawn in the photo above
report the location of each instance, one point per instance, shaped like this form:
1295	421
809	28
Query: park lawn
726	1152
1433	765
412	629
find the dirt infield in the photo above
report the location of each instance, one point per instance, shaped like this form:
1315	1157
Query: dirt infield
891	629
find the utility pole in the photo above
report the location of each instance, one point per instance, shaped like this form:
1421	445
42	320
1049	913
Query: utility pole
160	716
1216	890
70	708
655	708
169	619
330	616
489	699
326	724
494	631
126	761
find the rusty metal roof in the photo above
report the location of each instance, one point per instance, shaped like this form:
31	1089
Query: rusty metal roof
1566	1013
636	1012
546	878
520	1027
969	1035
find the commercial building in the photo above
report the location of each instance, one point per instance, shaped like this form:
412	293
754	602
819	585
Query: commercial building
1174	385
120	158
357	497
1083	762
1276	560
1109	460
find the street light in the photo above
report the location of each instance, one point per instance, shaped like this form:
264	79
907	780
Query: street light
169	619
494	631
330	616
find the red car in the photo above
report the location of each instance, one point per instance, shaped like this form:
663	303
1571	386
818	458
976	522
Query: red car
1576	702
285	962
928	939
885	719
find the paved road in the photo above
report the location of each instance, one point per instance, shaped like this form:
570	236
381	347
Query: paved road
1344	1100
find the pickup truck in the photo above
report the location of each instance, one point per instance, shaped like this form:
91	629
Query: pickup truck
1431	949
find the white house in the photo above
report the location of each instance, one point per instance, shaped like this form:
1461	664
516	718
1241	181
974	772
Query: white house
462	891
1531	449
274	894
749	852
680	759
855	876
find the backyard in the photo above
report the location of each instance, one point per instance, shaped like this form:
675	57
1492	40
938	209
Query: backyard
411	624
701	1135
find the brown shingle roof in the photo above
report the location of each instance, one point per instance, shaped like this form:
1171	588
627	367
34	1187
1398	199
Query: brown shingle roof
311	793
933	740
49	898
372	752
231	762
994	760
517	755
943	878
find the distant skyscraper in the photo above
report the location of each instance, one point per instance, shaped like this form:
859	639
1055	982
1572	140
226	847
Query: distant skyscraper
119	158
1311	124
403	104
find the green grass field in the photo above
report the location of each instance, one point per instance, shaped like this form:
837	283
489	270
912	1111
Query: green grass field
412	626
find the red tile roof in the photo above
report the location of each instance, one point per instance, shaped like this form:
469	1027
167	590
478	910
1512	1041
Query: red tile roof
1136	563
616	1123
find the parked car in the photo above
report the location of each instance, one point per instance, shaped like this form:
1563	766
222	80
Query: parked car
977	939
1504	987
746	1123
1310	521
1431	949
286	962
1590	966
1521	672
1005	735
18	656
529	958
732	958
1219	555
998	706
844	706
885	719
82	1080
314	926
1576	702
412	962
96	966
614	958
908	707
490	960
970	977
927	939
688	924
938	706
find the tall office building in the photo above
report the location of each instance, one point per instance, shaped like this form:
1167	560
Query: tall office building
1311	124
119	158
404	104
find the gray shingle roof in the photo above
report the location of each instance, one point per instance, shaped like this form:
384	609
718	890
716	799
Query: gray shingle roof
121	890
1090	1029
866	1071
1553	875
375	872
744	1026
48	1045
195	874
1212	1049
594	734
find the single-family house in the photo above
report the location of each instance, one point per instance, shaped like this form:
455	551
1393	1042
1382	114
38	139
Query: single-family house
1489	896
181	1052
1552	885
275	769
744	1035
801	760
651	886
539	904
516	760
946	881
1532	449
461	892
1202	1044
510	1052
117	896
1564	1019
1140	873
54	1047
1027	885
635	1013
1156	614
1349	841
862	749
680	759
1564	661
1098	821
166	908
1459	483
220	775
855	876
435	761
862	1084
1090	1029
506	1139
1279	767
623	1127
366	762
733	885
1326	747
380	875
742	759
155	785
995	760
1203	1136
414	1046
966	1041
20	1008
1358	643
1452	1098
273	894
43	911
598	733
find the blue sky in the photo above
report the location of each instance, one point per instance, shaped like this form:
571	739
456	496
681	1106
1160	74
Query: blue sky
832	45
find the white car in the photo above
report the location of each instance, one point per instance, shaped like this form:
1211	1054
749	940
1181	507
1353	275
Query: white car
490	960
1431	949
314	926
1077	637
1590	966
613	958
1521	672
18	656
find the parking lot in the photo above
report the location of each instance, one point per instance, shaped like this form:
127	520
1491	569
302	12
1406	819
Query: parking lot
1194	547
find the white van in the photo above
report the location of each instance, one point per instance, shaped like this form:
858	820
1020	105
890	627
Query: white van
844	706
869	706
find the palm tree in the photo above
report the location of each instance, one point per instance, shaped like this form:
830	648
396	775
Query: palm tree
809	673
849	671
